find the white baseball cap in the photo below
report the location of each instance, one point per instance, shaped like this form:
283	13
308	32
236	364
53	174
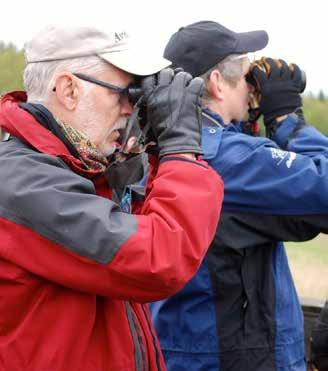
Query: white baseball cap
64	42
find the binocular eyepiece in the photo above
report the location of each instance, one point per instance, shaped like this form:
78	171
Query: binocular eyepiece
303	81
134	93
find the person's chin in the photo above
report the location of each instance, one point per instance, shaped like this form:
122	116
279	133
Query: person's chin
108	149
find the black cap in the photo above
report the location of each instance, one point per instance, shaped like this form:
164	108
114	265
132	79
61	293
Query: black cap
200	46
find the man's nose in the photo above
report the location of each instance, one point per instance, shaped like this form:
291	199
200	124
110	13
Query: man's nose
126	107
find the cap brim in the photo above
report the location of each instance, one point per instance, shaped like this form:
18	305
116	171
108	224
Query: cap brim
135	62
251	41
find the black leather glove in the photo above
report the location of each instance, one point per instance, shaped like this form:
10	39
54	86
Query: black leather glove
173	110
278	87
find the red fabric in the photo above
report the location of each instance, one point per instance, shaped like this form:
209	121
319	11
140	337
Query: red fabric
34	134
60	311
153	168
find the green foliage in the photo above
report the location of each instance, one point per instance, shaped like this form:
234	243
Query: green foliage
316	113
12	64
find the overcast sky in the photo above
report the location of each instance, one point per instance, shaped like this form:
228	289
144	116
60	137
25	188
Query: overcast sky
298	32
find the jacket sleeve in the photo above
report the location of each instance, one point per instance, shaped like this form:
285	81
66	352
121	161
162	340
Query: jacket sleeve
249	230
295	135
272	193
54	225
262	178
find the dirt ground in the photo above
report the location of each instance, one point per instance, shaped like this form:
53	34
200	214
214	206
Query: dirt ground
309	265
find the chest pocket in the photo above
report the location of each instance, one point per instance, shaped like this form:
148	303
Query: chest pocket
211	140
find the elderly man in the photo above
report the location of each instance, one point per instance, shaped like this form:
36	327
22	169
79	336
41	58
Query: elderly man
74	268
241	312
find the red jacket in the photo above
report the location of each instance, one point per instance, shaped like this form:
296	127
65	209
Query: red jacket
75	269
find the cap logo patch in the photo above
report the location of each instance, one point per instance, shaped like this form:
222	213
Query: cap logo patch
120	36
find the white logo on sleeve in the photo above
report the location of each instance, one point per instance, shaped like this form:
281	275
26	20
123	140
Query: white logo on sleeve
280	156
292	156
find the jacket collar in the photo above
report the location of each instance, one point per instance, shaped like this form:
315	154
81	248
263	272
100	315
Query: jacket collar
24	126
213	117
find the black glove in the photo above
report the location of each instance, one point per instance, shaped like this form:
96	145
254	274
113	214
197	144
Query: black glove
173	111
278	86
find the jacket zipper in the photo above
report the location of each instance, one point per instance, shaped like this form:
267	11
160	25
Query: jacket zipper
139	349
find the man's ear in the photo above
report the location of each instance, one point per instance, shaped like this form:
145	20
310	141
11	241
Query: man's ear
67	90
215	85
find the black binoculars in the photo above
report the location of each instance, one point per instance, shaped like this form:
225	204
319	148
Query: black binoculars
264	65
303	81
134	93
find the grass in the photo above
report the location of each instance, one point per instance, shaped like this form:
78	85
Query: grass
309	266
316	113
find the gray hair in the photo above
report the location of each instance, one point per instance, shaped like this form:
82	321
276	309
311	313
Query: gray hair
231	69
39	77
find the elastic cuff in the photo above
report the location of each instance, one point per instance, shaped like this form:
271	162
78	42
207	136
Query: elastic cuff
180	158
174	152
285	130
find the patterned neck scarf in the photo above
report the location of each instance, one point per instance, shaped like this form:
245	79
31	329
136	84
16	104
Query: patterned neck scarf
88	152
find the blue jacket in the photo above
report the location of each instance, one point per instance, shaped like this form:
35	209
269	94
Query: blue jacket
241	312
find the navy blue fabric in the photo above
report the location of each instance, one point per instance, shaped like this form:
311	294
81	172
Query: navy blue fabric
199	310
265	188
260	178
289	316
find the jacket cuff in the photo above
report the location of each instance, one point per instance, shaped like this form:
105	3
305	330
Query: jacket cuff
286	130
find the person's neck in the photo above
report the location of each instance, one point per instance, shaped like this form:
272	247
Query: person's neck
218	109
60	114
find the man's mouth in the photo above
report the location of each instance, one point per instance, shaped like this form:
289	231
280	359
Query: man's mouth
121	124
114	136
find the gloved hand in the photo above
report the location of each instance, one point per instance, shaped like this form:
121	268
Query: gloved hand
173	110
278	87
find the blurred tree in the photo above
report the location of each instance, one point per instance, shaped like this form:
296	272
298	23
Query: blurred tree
12	64
309	95
321	96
